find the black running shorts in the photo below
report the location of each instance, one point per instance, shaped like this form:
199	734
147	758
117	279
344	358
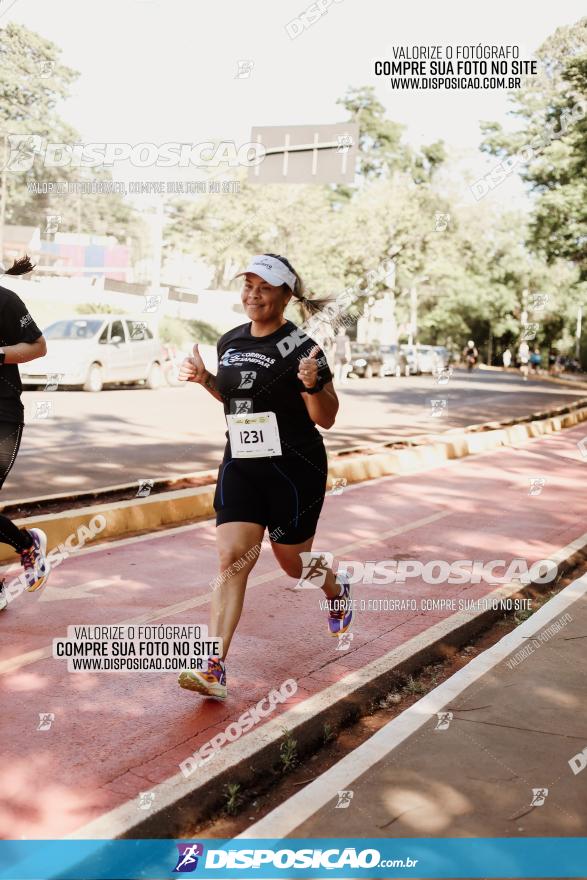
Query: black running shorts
283	493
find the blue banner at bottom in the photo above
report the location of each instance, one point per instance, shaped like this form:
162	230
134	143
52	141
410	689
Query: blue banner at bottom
289	858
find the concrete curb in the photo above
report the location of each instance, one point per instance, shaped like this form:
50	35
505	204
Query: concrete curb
183	506
181	802
123	517
93	496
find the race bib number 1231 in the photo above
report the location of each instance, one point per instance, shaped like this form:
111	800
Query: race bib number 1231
253	435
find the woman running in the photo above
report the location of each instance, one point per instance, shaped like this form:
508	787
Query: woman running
21	341
275	386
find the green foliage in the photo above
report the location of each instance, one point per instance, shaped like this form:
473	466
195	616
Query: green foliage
552	133
413	686
471	279
98	309
233	798
381	150
327	732
288	751
33	80
380	144
182	333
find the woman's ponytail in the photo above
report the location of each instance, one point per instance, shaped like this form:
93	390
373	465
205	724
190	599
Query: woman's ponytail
309	306
312	306
20	267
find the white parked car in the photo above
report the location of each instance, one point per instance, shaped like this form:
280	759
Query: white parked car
90	351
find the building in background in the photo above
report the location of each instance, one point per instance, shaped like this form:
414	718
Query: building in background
80	254
70	254
20	240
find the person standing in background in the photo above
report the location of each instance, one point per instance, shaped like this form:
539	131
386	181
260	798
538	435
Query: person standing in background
524	357
342	355
552	361
470	355
536	360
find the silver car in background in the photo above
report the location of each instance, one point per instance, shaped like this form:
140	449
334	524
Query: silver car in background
395	362
425	358
443	357
94	350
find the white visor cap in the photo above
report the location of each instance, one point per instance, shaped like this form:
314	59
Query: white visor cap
271	270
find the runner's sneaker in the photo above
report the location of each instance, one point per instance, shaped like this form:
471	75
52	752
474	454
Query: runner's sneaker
210	684
34	562
3	599
340	614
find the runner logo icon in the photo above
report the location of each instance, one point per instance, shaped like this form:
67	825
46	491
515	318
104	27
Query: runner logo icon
444	719
247	379
187	860
344	799
46	719
315	565
238	407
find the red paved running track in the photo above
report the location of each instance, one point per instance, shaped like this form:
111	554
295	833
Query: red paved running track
116	734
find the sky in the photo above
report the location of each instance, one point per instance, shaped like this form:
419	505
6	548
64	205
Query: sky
165	70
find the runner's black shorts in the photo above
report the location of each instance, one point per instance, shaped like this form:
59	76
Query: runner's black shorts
283	493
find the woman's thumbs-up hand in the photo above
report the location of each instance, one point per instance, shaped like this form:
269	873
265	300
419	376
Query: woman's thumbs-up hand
308	368
193	369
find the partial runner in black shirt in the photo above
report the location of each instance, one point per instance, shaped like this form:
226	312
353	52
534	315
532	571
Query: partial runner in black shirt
21	341
276	387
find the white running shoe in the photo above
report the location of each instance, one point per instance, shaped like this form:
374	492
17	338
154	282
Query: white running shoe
211	683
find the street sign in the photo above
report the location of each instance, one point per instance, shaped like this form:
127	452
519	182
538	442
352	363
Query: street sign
306	153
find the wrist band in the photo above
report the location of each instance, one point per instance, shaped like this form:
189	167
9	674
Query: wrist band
315	389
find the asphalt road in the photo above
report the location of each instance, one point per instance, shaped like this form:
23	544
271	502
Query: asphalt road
86	441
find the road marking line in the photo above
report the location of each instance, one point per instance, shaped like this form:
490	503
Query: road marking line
122	542
77	591
21	660
297	809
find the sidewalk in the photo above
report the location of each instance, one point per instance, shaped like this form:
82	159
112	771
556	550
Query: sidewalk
493	752
115	735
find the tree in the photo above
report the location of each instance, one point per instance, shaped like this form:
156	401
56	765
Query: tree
381	150
33	79
550	145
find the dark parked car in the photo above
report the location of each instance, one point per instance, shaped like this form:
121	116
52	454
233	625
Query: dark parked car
366	360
